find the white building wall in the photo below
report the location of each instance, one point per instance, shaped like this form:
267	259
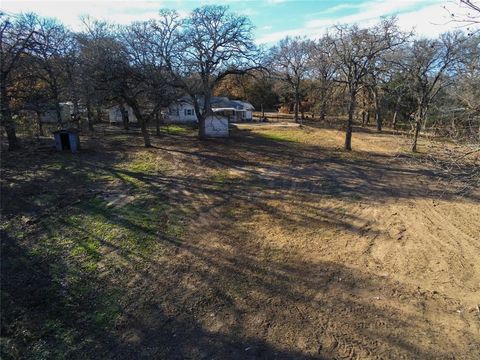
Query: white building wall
216	126
115	115
181	113
50	116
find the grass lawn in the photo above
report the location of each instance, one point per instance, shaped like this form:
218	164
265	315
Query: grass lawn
273	243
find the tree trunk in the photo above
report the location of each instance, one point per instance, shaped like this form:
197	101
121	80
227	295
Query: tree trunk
98	114
124	115
296	105
349	127
323	103
395	113
157	123
76	113
207	110
89	115
7	120
415	135
11	136
364	112
58	111
40	124
143	125
378	118
418	124
74	96
323	110
56	97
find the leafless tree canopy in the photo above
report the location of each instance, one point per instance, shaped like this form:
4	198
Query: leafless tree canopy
402	80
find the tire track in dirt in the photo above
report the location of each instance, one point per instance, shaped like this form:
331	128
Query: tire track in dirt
384	303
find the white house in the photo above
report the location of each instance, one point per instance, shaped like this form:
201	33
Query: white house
183	111
243	111
115	115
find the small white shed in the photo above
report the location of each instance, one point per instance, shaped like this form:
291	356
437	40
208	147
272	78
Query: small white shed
216	125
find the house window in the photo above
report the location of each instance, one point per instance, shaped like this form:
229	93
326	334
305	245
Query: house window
174	111
188	112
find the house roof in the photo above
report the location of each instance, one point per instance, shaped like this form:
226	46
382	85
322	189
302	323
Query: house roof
244	104
223	109
219	102
65	131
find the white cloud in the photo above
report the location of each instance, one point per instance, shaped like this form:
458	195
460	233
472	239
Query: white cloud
277	35
68	12
427	17
369	10
247	12
429	21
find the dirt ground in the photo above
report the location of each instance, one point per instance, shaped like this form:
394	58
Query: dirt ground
272	244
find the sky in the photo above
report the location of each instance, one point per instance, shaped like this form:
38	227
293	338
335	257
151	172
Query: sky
273	19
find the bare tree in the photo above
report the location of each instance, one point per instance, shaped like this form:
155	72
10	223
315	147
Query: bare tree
395	84
466	88
71	71
97	47
31	93
428	65
16	37
354	50
291	61
203	49
375	83
51	43
323	70
146	82
466	14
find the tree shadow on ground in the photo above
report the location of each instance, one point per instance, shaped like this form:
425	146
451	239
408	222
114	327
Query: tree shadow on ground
218	292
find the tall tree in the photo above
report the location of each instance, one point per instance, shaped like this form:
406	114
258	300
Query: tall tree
97	48
31	92
466	89
428	65
323	69
52	40
213	43
71	70
291	61
16	37
353	51
145	83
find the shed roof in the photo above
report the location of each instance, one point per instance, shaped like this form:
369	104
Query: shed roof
69	130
